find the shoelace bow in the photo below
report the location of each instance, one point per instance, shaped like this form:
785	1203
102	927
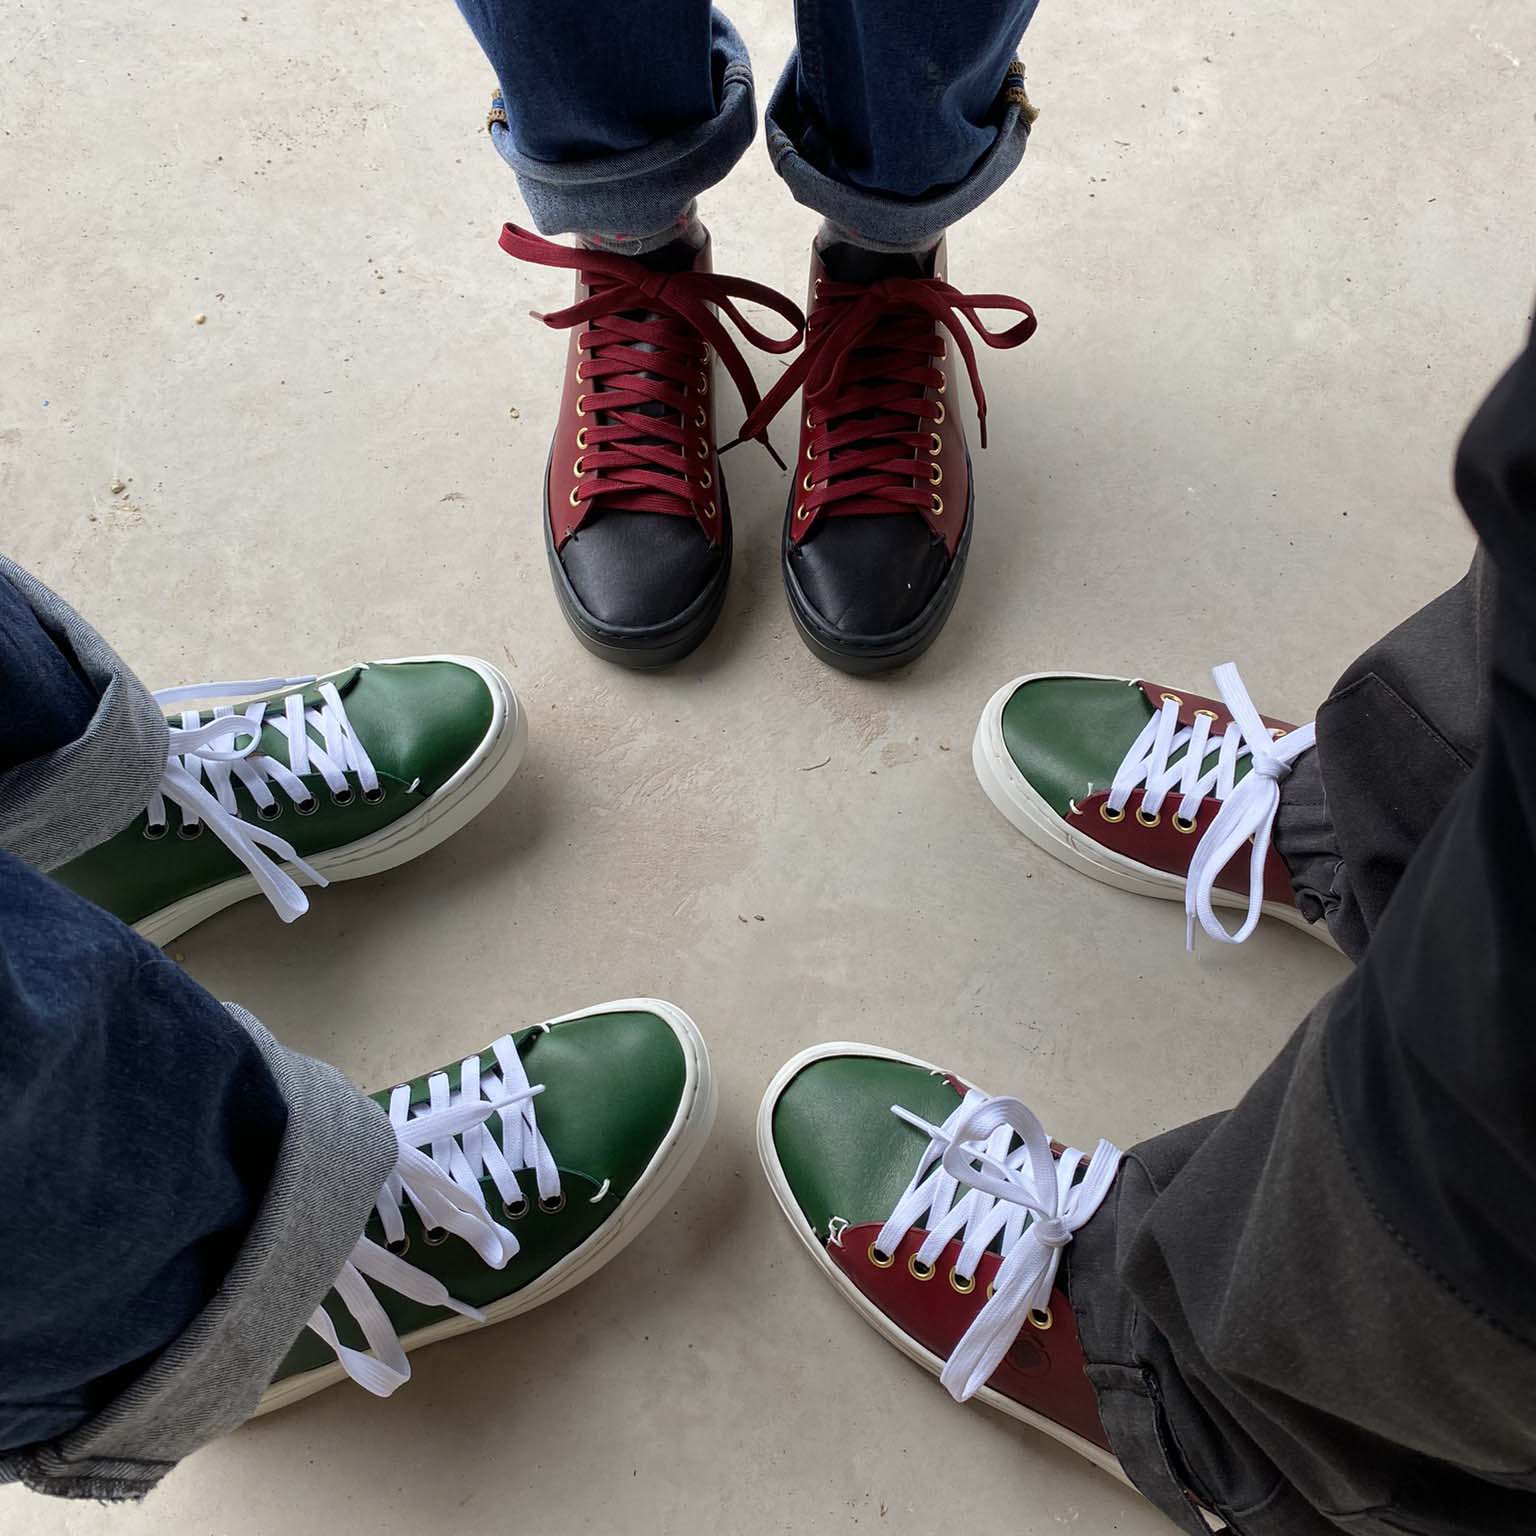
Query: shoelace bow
444	1189
971	1183
224	751
651	456
1248	805
869	357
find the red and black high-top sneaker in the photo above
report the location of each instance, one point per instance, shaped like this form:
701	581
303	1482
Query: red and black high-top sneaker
637	524
879	518
940	1214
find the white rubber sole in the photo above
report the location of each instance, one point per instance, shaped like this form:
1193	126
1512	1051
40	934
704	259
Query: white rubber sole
669	1166
866	1309
477	783
1032	814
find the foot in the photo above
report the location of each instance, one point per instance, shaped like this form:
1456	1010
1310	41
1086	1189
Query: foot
523	1170
879	520
1148	788
637	523
923	1200
336	777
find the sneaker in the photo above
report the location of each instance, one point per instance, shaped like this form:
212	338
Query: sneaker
637	523
335	777
522	1171
1149	789
940	1214
879	520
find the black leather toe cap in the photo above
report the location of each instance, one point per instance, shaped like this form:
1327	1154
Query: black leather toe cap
639	570
870	576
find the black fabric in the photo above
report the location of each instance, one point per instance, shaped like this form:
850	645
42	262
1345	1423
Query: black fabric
1318	1312
51	702
133	1102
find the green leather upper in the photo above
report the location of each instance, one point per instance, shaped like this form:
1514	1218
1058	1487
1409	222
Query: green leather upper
1069	735
418	721
842	1150
612	1086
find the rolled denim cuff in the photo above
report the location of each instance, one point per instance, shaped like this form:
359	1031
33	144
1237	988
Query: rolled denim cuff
640	194
882	221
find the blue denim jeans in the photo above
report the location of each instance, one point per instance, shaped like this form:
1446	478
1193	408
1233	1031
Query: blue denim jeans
138	1123
892	119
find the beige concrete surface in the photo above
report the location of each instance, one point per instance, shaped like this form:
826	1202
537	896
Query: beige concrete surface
1278	250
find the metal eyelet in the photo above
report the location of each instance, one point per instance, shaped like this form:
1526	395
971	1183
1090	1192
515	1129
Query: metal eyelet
515	1210
810	450
307	807
343	796
709	509
270	812
810	421
1210	714
938	505
581	410
572	498
703	449
1180	825
800	513
1109	815
699	418
1155	819
703	383
1040	1317
435	1237
920	1271
936	474
401	1248
189	834
706	479
938	420
374	796
1172	698
1276	732
154	834
805	484
935	444
576	466
552	1206
990	1290
943	381
880	1260
581	440
962	1283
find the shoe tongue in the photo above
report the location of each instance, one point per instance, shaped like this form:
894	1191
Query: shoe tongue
847	263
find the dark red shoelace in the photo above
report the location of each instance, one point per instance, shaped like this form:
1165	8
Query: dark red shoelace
646	336
869	357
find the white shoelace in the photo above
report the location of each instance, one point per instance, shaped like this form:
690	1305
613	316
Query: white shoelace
1248	805
970	1185
224	749
444	1188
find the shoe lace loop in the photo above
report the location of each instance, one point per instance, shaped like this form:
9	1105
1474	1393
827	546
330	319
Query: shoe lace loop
973	1184
647	336
1248	805
442	1185
223	750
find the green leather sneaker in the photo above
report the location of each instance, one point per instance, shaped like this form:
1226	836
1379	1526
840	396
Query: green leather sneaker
336	777
1153	789
522	1171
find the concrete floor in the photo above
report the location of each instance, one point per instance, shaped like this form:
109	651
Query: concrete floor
1277	253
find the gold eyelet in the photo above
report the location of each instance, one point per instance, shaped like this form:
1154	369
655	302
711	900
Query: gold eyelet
943	381
703	449
1109	815
575	502
581	410
1277	733
961	1283
990	1290
880	1260
699	418
1210	714
1172	698
1155	819
1040	1317
938	420
936	474
920	1271
810	421
938	505
800	513
810	451
709	509
581	440
935	444
805	484
576	468
1180	825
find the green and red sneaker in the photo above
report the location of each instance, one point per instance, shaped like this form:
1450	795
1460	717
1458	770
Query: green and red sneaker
1153	790
340	776
522	1171
940	1214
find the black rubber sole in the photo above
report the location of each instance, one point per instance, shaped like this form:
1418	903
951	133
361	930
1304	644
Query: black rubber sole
643	650
866	654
